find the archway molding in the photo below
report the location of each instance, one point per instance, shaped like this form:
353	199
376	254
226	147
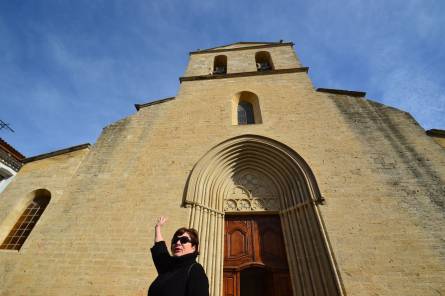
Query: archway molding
209	183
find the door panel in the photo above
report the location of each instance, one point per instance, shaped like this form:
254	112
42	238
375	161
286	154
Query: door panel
238	248
282	285
253	282
239	244
230	284
255	260
273	253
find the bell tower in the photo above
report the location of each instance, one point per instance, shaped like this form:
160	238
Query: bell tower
241	67
250	196
242	59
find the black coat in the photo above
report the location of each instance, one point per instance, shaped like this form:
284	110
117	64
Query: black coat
177	276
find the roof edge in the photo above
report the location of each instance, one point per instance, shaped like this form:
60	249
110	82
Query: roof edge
342	92
139	106
439	133
240	42
57	152
266	44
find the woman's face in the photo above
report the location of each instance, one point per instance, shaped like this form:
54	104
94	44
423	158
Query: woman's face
182	245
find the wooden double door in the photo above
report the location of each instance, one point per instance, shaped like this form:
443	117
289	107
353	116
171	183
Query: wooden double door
255	262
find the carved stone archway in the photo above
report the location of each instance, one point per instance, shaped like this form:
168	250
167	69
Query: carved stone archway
223	180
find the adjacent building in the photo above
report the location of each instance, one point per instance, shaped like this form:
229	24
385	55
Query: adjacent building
10	163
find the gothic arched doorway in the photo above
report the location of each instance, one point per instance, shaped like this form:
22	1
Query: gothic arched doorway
223	181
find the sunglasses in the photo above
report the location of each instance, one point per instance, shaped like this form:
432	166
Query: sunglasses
182	239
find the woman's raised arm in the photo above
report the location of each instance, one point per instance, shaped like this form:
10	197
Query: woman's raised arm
158	232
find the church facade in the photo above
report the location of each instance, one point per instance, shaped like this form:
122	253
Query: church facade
294	191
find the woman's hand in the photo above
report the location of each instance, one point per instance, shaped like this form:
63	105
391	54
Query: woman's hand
159	223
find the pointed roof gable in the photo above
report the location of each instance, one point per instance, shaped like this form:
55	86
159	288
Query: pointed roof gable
241	45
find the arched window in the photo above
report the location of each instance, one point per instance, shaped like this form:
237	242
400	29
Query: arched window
263	61
26	222
245	113
220	65
246	108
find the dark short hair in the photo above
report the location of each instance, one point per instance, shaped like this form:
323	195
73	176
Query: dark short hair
194	237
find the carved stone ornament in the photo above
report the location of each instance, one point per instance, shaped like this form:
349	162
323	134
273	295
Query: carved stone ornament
251	192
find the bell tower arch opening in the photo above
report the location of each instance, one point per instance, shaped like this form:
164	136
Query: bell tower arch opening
251	176
220	65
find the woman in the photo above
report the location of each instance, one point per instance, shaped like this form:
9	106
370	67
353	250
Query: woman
179	274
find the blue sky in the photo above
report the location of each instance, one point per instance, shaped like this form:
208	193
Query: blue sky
69	68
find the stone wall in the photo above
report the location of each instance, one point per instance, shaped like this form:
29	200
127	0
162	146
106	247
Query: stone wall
19	271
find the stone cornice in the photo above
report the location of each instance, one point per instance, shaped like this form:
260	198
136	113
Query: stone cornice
342	92
139	106
436	133
243	74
